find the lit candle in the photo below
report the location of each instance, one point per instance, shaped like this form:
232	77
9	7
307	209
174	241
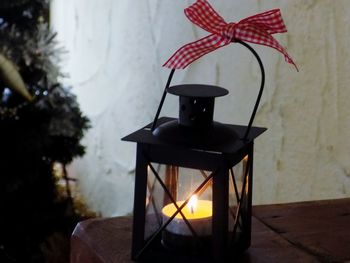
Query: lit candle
197	212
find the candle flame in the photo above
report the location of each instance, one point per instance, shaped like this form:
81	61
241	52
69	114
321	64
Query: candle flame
192	203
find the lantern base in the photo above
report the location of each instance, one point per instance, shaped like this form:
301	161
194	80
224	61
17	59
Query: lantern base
186	244
216	134
166	252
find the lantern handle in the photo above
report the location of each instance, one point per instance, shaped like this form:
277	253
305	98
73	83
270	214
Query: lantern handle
257	102
162	99
262	84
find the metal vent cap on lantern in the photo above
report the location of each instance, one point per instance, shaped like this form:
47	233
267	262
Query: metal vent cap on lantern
195	124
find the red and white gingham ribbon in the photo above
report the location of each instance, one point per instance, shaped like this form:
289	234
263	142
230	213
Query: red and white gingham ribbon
257	29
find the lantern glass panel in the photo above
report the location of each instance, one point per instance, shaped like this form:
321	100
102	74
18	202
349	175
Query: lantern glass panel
154	201
169	187
238	199
180	183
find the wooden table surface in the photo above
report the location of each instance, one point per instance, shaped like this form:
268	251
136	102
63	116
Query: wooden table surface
317	231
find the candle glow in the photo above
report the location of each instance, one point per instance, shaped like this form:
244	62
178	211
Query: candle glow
195	209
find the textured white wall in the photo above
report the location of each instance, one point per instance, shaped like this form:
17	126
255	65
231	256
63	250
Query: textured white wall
116	49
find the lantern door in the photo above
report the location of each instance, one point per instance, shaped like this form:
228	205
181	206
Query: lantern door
191	202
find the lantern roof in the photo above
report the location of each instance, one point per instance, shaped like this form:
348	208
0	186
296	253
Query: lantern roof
145	136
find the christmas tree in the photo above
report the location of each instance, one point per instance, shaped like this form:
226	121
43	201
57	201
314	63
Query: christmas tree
40	124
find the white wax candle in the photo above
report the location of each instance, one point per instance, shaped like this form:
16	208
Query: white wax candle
197	212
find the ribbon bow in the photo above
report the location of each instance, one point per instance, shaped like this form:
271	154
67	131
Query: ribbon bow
257	29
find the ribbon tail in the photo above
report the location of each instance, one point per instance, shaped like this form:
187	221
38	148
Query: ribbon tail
194	50
264	38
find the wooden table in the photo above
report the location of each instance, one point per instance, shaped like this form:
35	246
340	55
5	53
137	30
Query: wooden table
305	232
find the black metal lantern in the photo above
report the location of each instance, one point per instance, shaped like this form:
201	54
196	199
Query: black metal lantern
193	184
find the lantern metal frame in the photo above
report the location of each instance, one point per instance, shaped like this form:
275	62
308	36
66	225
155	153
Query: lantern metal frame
218	159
